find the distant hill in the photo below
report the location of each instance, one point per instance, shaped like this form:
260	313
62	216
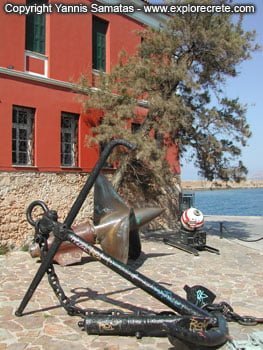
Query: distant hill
256	176
210	185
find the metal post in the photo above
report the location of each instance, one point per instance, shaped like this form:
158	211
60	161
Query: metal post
221	229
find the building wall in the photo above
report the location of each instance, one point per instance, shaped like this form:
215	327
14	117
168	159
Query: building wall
49	103
19	189
68	41
47	89
12	38
68	55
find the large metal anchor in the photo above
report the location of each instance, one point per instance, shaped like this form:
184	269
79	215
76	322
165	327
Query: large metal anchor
193	325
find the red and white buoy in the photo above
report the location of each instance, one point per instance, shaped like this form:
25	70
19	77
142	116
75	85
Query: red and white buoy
192	219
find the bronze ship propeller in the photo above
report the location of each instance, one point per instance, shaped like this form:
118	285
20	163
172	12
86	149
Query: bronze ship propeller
116	227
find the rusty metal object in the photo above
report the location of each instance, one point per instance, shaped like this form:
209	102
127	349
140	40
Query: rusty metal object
117	229
68	253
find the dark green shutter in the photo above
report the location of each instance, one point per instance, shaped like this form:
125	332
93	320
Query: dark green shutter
99	31
35	30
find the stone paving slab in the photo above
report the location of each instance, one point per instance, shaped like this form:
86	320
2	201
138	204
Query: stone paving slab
244	230
235	276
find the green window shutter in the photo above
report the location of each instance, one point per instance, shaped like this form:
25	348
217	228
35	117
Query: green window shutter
35	30
99	32
29	32
39	31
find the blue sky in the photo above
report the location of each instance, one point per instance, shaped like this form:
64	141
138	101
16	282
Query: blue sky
248	86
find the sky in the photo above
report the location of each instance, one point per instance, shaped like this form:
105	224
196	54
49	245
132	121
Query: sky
248	86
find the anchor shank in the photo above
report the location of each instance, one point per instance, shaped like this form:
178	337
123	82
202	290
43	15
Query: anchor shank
164	295
92	178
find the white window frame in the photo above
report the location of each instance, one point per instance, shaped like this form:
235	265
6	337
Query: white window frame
38	56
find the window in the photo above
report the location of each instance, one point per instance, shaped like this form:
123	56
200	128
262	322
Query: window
36	29
99	31
135	127
22	135
159	137
69	139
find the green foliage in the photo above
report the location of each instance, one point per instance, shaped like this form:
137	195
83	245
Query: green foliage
178	74
4	249
25	248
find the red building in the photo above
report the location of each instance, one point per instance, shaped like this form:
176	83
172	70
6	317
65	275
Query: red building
42	124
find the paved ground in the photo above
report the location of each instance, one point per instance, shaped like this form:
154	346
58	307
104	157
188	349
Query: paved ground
235	276
240	229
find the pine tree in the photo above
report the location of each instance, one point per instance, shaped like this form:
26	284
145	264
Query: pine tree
177	74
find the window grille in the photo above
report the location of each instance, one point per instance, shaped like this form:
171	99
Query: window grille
69	139
22	135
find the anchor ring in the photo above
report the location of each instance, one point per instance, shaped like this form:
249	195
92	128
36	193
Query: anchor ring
37	203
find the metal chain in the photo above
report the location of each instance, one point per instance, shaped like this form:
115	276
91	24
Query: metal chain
231	316
54	282
65	301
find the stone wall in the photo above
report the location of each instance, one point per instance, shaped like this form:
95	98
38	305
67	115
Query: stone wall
18	190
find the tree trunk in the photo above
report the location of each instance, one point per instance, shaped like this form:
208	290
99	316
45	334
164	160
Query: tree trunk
119	174
148	193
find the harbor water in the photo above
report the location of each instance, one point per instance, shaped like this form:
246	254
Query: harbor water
236	202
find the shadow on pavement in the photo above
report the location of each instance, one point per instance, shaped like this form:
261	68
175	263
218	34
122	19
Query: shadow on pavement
135	264
157	235
81	295
229	229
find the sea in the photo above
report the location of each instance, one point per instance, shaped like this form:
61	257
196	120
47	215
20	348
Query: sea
232	202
